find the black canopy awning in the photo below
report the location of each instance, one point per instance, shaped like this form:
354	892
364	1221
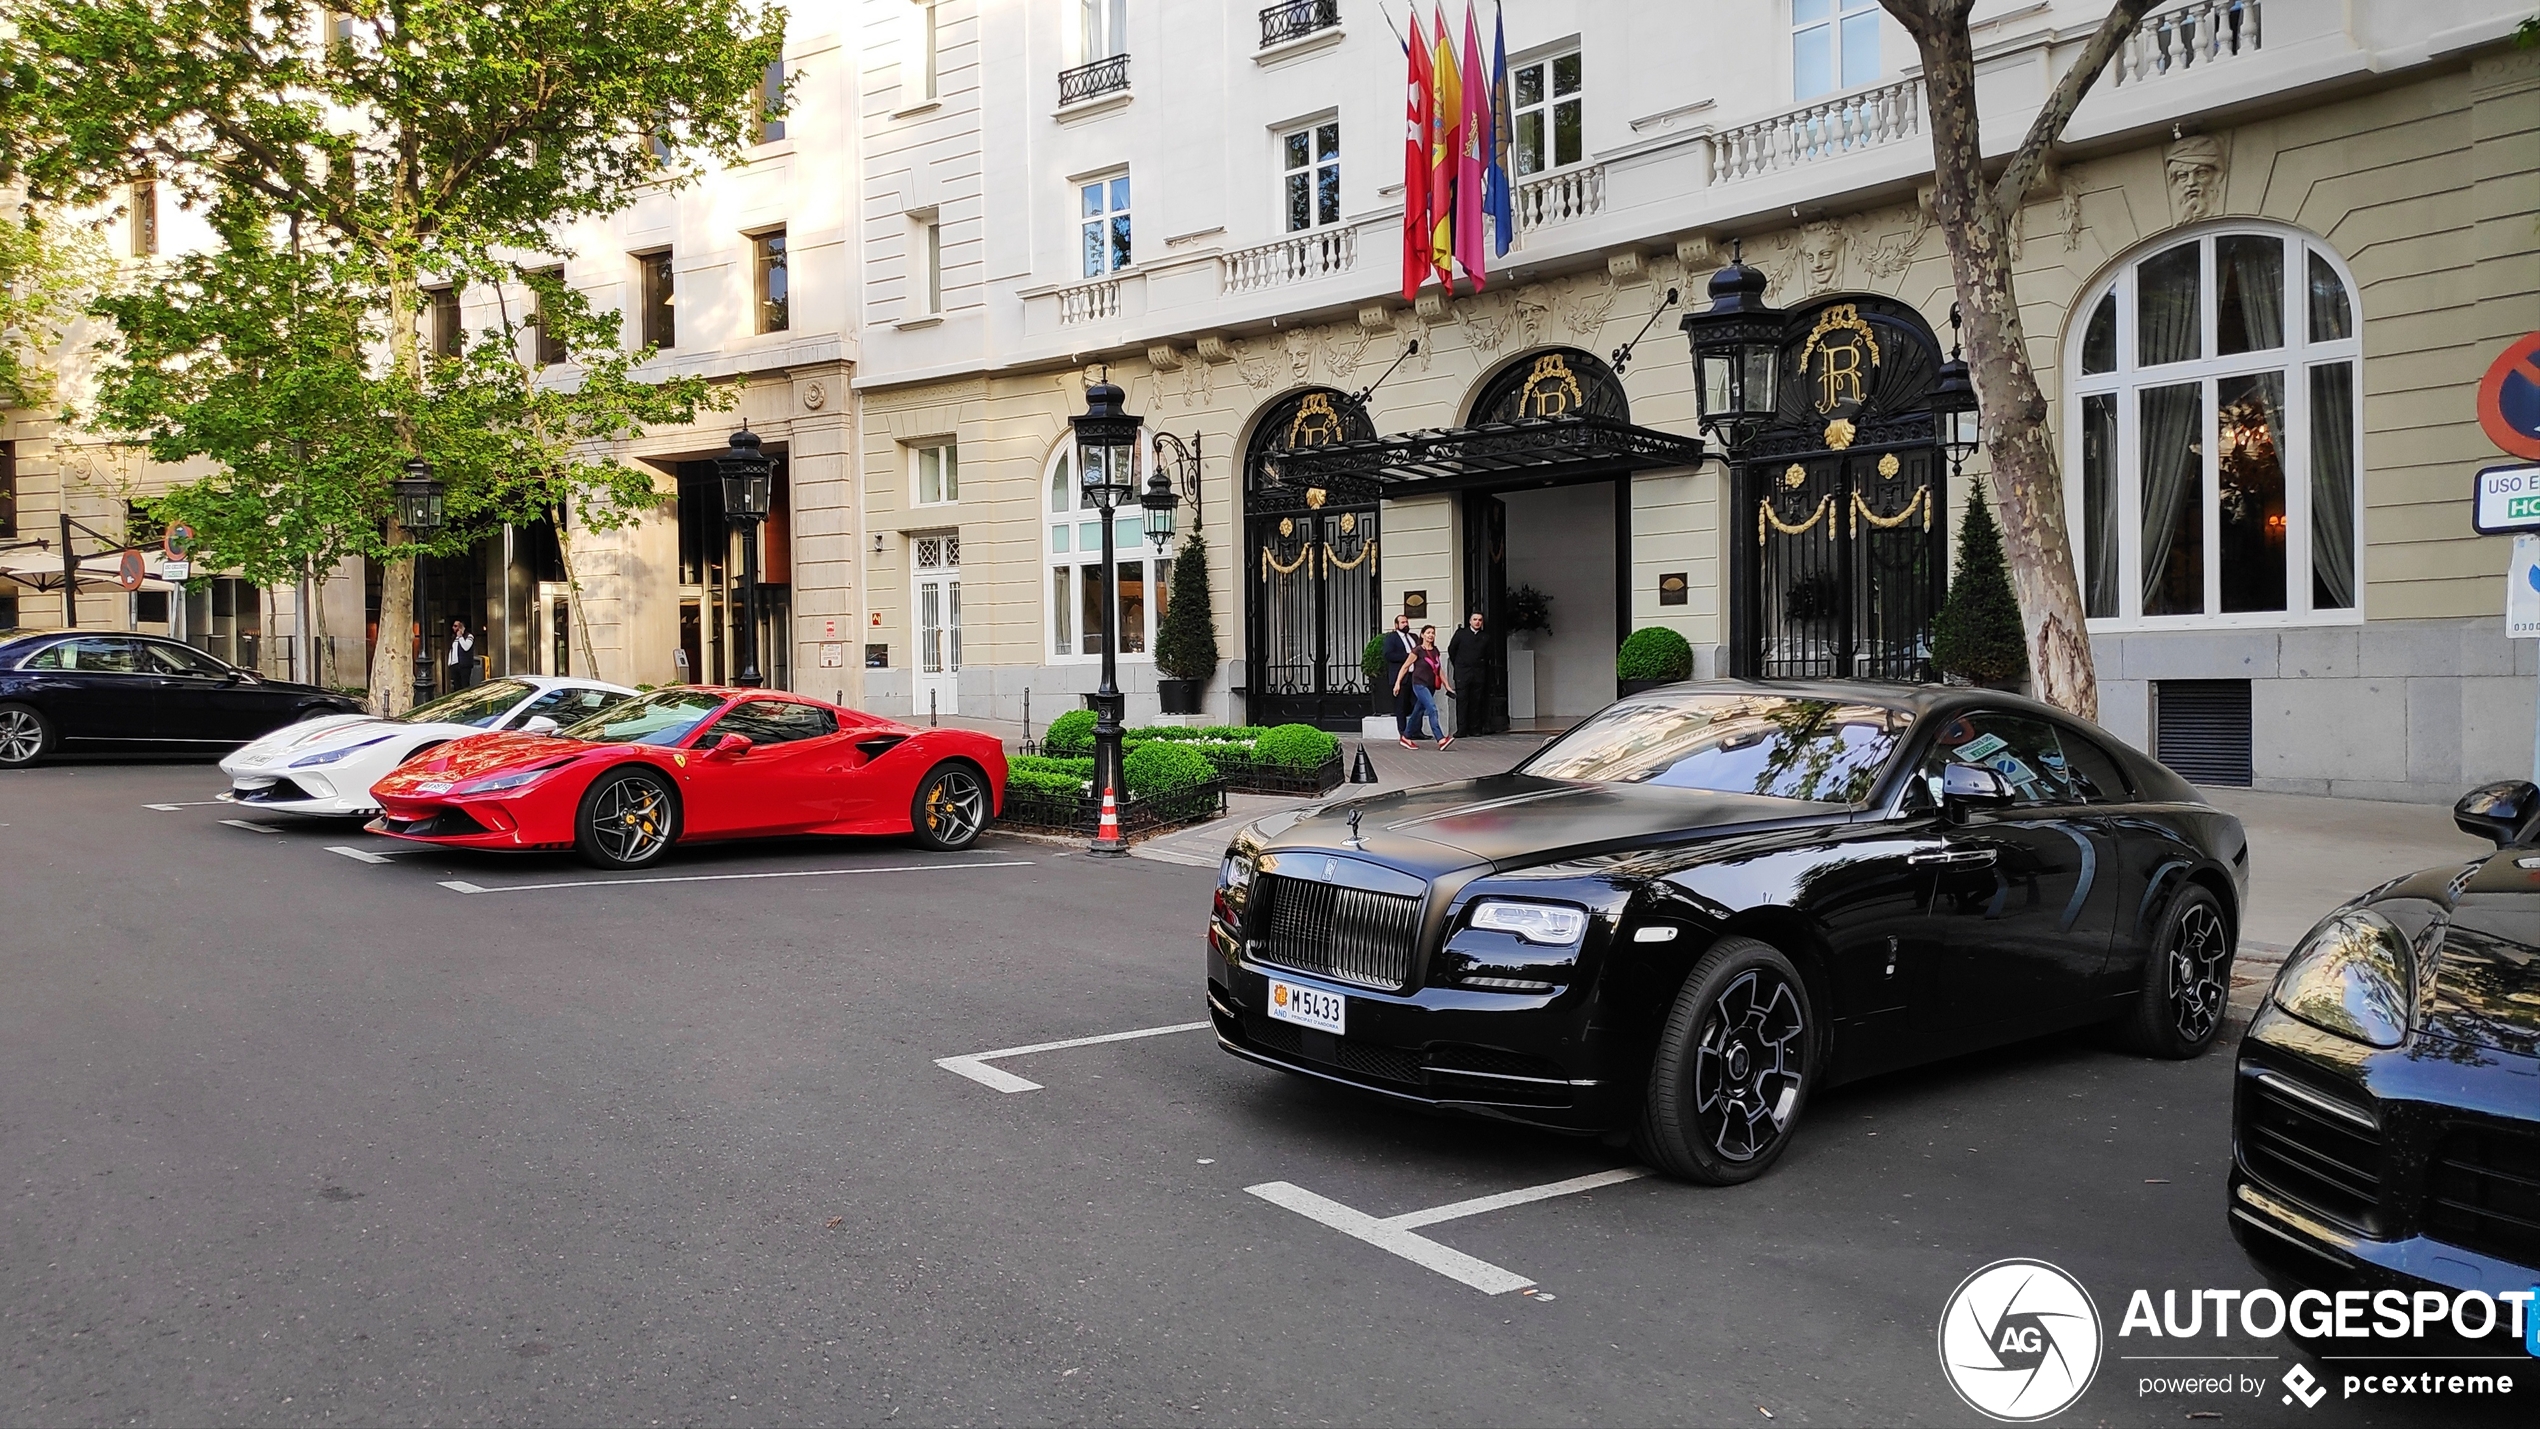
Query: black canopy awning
1583	444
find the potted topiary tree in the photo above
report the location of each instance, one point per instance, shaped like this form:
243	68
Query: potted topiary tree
1186	642
1651	656
1977	637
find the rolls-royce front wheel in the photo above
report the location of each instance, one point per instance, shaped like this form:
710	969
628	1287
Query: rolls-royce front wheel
1734	1067
2186	981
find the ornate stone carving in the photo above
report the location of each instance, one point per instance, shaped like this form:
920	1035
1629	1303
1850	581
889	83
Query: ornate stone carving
1164	357
1211	347
1887	258
1821	250
1257	369
1701	253
1348	345
1300	345
815	396
1584	302
1625	267
2194	166
1375	317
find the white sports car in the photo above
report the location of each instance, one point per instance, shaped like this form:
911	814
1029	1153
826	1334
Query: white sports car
326	766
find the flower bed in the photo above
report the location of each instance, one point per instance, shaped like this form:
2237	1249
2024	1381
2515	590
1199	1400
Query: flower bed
1287	759
1040	810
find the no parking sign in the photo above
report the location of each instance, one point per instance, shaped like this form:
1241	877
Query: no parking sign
2509	398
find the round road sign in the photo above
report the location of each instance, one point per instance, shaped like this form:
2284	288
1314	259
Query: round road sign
2509	398
128	570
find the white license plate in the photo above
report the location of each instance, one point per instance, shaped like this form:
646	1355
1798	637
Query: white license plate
1308	1007
432	786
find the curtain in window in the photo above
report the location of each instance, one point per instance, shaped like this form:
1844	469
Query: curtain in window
2173	505
2099	505
2250	269
2167	308
2333	486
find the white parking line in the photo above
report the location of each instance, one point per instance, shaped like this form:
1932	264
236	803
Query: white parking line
251	828
1395	1234
364	855
196	804
975	1065
456	885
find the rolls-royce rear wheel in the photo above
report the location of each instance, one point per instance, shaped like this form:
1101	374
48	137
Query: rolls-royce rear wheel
950	808
26	736
2186	981
1734	1067
629	819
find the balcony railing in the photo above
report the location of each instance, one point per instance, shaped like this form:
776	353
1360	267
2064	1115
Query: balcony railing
1297	19
1089	302
1824	130
2193	36
1558	198
1104	76
1296	259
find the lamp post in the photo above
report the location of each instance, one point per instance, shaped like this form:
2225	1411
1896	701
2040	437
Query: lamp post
746	473
1953	404
419	510
1737	345
1173	478
1106	448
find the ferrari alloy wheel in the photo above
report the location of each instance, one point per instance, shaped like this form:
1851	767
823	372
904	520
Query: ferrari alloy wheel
629	819
951	807
2186	981
1733	1067
25	737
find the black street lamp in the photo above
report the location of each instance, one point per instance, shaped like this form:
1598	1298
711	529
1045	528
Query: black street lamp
419	510
747	474
1953	404
1737	346
1174	478
1106	451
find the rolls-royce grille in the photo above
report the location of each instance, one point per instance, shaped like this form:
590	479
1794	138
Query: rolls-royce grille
1348	934
2301	1149
2484	1194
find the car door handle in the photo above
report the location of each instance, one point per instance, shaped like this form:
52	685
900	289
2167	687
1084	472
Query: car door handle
1954	858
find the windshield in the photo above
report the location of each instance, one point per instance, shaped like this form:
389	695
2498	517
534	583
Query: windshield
663	717
480	706
1784	746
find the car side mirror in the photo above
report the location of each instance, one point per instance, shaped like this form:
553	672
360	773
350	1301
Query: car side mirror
539	724
731	746
1972	786
2504	812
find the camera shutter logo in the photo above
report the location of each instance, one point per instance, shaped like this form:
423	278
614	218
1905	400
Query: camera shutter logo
2020	1341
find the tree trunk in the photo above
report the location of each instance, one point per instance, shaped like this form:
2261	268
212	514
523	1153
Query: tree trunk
392	660
2028	487
573	599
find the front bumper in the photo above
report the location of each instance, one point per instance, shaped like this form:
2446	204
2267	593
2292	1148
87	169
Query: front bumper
2348	1162
301	792
1539	1059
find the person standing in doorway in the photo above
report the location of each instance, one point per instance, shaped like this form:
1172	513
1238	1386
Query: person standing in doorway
1400	646
462	656
1468	667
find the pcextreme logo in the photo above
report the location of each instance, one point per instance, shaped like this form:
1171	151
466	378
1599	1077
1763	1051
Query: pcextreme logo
2019	1341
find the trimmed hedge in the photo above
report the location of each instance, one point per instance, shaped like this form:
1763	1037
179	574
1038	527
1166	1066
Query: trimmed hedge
1043	782
1654	652
1296	746
1070	735
1161	766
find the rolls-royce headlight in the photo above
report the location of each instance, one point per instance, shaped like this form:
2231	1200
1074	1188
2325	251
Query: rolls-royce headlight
1235	874
1550	925
2352	975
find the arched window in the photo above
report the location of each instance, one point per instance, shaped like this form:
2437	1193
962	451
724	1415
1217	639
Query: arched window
2212	451
1071	542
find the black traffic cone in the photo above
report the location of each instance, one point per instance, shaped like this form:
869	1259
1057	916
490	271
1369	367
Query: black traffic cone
1364	771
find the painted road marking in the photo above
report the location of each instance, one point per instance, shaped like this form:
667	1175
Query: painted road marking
975	1065
251	828
364	855
1396	1234
462	886
197	804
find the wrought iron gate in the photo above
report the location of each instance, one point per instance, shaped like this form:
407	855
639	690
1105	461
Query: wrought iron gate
1844	564
1314	605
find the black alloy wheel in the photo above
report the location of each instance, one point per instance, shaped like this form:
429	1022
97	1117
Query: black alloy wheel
2186	980
629	819
1733	1069
26	736
950	809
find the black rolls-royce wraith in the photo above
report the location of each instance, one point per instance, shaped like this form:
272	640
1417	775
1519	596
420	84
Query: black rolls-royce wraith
1708	901
75	691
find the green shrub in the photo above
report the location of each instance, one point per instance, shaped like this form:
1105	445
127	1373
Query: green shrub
1186	641
1042	781
1070	735
1211	734
1162	767
1371	661
1296	746
1978	635
1078	769
1654	652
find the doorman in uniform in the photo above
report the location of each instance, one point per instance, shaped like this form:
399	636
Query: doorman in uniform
1468	658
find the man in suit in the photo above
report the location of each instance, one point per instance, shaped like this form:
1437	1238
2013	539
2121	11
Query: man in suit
1468	657
1400	646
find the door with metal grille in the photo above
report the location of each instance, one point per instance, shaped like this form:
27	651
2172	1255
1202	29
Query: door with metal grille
1313	601
938	632
1843	565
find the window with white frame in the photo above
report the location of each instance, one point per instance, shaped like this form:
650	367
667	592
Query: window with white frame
1310	175
1103	218
926	51
1072	544
2212	448
1544	106
1834	44
1102	29
934	472
933	234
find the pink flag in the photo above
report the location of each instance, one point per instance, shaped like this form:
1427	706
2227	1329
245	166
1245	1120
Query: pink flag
1471	244
1417	233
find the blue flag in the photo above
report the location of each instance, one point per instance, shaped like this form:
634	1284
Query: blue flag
1496	198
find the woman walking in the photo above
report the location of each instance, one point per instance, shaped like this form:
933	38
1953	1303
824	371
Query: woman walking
1424	674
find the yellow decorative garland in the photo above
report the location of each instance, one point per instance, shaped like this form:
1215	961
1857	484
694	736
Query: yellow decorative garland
1765	516
1269	563
1333	562
1861	512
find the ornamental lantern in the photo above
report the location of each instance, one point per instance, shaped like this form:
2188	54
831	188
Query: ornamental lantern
1737	345
746	472
1953	402
1106	446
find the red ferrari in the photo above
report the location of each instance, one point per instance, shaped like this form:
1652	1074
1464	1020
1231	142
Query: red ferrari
695	763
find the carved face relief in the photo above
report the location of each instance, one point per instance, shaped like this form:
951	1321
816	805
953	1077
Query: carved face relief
2195	169
1821	255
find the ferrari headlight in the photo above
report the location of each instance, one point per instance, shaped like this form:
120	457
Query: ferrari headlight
497	783
2352	975
1548	924
330	756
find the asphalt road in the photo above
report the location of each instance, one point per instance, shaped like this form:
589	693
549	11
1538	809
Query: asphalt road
292	1136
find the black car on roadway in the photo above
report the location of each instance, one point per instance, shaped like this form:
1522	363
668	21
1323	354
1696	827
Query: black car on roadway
79	691
1700	906
2386	1115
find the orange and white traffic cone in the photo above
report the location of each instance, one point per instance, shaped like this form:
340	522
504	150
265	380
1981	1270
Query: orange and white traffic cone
1107	833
